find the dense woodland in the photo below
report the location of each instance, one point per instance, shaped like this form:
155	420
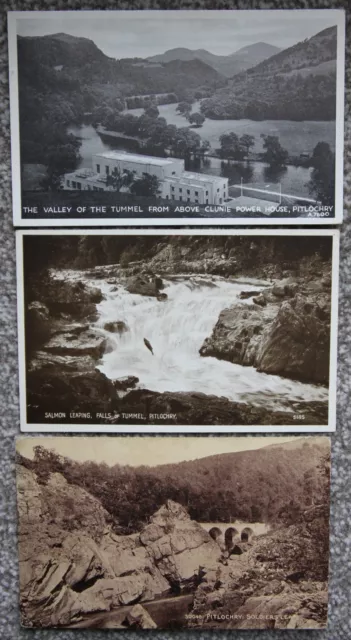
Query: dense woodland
273	484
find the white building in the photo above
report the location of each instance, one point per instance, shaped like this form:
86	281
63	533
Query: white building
175	182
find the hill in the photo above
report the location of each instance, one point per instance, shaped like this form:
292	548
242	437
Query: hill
298	83
228	66
267	484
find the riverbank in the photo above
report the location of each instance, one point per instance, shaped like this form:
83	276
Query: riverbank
182	339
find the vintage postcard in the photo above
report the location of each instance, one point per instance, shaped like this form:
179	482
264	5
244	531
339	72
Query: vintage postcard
177	117
166	331
174	532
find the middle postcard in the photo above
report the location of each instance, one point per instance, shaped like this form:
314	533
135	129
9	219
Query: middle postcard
169	330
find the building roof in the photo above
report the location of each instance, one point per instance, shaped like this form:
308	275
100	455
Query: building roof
135	157
195	179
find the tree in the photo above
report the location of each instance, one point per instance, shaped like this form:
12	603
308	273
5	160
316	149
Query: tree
184	108
230	147
152	111
185	142
275	155
148	185
197	119
247	142
118	179
322	183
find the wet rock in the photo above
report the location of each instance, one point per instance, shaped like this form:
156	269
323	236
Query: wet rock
38	323
138	618
77	342
75	299
129	382
144	286
297	343
245	295
162	296
116	327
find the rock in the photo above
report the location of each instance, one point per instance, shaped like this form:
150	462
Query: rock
237	332
138	618
244	295
260	300
77	342
179	546
38	324
143	286
162	296
278	290
116	327
75	299
129	382
76	392
297	343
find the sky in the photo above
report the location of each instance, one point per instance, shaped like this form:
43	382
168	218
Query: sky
146	450
127	34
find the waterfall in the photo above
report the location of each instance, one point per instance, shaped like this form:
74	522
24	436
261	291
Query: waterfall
176	329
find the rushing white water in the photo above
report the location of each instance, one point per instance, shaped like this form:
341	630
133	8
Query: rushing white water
176	328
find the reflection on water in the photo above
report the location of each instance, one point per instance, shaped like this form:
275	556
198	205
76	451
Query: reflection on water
293	180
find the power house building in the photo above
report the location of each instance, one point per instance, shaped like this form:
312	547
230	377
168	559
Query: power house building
175	182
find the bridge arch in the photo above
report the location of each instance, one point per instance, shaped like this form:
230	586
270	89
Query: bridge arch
246	534
230	535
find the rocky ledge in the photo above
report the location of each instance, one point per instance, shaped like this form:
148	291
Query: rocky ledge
72	563
285	330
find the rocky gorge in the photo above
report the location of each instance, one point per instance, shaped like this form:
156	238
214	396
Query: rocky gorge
271	316
75	570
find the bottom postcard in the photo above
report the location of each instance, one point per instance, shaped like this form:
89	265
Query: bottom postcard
189	532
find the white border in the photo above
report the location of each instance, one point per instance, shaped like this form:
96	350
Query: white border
13	16
89	428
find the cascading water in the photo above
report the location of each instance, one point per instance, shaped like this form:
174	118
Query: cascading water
176	329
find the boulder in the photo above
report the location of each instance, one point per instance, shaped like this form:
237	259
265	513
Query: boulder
144	286
297	343
75	299
138	618
38	323
245	295
116	327
123	384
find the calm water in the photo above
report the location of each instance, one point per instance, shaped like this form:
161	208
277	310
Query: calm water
293	180
296	137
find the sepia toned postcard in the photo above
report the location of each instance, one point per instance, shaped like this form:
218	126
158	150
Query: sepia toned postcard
173	532
166	331
177	117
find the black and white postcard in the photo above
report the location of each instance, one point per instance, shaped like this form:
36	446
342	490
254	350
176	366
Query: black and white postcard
166	331
177	117
174	532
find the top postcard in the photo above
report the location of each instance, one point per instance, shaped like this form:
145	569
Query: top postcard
177	117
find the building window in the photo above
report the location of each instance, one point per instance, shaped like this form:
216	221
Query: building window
206	200
107	169
167	197
196	193
173	173
220	201
172	188
207	193
73	184
188	192
180	198
100	189
217	190
95	189
196	199
67	183
180	190
79	185
172	197
188	199
97	168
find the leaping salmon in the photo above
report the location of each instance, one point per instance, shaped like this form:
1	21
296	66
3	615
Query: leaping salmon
148	345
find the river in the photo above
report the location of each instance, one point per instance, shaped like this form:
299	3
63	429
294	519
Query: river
292	180
176	329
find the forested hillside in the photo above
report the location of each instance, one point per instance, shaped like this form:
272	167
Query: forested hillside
272	484
298	83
